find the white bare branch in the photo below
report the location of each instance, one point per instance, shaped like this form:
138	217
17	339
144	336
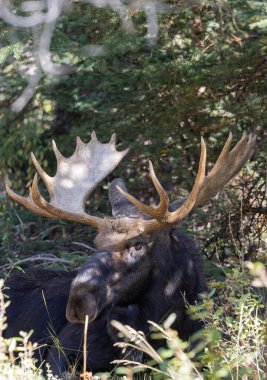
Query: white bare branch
43	15
28	92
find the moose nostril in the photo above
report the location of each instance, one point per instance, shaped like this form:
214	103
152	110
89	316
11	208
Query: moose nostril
72	315
73	312
80	306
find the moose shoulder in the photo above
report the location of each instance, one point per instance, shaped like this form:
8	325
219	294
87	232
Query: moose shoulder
143	268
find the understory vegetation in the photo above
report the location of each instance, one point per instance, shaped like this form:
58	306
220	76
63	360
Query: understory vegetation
231	346
203	74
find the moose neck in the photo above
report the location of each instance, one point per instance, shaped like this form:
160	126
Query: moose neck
174	282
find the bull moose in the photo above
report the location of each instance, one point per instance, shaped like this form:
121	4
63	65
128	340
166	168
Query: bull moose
143	267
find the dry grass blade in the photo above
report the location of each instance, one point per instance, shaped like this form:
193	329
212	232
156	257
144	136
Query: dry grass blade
138	365
85	375
139	340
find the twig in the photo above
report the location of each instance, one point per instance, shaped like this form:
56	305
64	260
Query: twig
85	343
79	253
44	16
85	375
45	232
208	47
28	92
84	245
51	259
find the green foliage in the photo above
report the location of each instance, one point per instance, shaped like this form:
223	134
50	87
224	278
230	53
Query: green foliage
15	49
237	315
231	346
205	76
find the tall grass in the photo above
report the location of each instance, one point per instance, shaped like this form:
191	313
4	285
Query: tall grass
231	345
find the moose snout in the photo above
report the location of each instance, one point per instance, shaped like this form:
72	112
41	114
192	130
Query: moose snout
79	306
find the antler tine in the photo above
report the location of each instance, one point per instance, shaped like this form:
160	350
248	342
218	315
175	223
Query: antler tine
57	153
189	204
157	212
223	154
93	136
226	167
79	142
27	202
113	139
45	177
163	205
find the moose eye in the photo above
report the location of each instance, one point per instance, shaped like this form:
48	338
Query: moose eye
139	246
136	251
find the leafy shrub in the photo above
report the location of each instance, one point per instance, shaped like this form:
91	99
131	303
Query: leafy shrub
231	346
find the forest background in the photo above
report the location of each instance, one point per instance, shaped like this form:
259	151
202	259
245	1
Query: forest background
160	75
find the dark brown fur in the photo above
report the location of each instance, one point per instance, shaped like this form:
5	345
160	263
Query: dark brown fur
170	273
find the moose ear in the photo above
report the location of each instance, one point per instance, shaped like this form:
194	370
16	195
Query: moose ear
120	205
177	204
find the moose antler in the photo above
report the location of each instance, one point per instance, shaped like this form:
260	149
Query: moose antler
75	179
205	187
78	175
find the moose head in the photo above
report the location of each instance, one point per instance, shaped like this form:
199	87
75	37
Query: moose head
130	243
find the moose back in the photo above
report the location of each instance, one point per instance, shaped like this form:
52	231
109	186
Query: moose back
143	268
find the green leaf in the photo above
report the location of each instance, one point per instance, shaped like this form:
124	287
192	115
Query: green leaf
262	24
